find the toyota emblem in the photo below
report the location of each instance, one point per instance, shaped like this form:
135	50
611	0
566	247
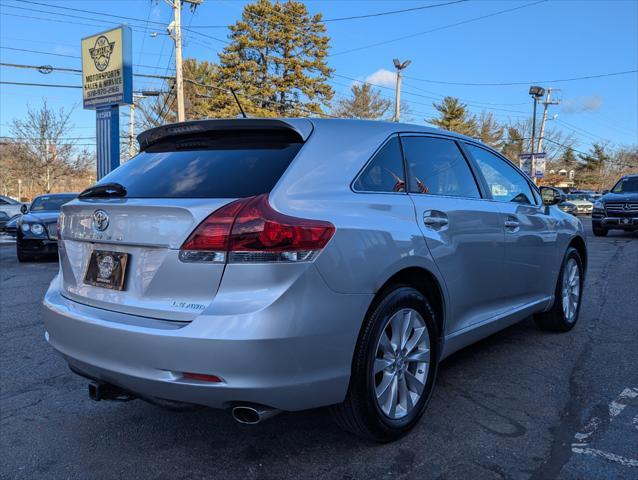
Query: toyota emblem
100	220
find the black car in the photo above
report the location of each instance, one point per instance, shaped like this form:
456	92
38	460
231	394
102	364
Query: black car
37	228
4	218
618	208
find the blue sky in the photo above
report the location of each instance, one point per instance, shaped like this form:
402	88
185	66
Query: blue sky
540	42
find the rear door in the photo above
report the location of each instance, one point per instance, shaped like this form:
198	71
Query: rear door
162	195
463	231
531	255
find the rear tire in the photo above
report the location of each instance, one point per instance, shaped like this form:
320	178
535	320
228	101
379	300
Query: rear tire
564	313
600	231
392	377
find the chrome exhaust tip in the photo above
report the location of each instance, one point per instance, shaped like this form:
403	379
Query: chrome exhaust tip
252	415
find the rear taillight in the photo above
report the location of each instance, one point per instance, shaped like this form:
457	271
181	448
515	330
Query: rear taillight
249	230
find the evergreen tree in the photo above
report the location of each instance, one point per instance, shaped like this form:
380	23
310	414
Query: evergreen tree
276	60
489	131
568	159
514	144
365	103
453	116
590	172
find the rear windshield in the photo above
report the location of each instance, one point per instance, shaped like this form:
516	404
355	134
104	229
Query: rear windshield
231	167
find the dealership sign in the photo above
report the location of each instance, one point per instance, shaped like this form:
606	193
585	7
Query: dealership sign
107	74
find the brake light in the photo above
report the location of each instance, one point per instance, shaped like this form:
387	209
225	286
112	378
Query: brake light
249	230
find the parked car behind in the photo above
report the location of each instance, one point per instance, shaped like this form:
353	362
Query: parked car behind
9	206
37	227
568	207
618	208
4	218
583	205
266	265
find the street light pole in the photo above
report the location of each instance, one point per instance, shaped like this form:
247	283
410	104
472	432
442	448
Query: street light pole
536	93
397	101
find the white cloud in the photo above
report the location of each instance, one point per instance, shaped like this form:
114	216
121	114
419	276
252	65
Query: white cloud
583	104
382	77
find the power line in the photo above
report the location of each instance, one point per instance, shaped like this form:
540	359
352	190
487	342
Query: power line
58	85
443	27
528	82
77	57
49	68
359	17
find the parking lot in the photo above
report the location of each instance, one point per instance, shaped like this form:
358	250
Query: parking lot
520	404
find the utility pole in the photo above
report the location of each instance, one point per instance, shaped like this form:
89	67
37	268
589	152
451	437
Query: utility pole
175	32
547	102
397	101
131	130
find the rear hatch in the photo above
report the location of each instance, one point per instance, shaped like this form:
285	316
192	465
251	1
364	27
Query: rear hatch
142	213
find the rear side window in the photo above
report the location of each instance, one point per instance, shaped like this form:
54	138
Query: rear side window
385	172
505	182
234	166
437	167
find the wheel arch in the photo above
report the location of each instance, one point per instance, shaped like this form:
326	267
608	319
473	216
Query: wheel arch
579	244
425	282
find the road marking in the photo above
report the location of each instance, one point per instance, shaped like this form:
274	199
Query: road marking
582	437
627	462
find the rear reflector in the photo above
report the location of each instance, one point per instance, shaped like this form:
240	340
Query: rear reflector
203	377
249	230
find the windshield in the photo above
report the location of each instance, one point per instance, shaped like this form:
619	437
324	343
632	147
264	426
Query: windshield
50	203
626	185
578	196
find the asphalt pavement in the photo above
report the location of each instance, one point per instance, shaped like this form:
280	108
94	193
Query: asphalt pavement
522	404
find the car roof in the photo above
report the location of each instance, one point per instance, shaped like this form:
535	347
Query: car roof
61	194
303	127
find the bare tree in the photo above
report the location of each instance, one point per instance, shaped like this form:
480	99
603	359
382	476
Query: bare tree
46	156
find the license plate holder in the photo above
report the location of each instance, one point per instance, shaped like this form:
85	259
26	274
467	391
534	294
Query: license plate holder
107	269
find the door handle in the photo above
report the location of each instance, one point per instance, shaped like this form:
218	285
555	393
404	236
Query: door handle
435	219
511	224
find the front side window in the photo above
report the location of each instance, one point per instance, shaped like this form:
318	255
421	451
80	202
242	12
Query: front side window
384	173
504	182
437	167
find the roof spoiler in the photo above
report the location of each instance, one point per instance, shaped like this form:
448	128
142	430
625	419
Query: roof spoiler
301	127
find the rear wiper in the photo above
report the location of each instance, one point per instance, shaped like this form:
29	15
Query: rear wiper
104	190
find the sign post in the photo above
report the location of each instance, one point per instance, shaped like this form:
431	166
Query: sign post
525	160
107	83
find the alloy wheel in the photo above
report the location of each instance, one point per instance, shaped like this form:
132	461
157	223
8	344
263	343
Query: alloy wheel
571	290
402	362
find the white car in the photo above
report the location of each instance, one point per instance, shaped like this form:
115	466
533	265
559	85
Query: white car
583	205
9	206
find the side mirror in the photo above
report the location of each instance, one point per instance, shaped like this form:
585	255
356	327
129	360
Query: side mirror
605	192
24	209
551	195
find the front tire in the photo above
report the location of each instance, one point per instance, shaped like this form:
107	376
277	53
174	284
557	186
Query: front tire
567	298
393	369
22	257
599	231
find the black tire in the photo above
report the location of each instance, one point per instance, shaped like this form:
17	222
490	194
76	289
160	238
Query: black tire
22	257
599	231
360	413
554	319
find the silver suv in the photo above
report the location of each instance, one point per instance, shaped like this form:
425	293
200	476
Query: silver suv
268	265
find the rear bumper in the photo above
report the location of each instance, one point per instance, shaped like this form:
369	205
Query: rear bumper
294	354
